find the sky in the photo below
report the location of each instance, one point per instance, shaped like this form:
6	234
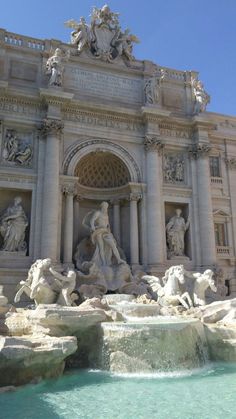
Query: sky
182	34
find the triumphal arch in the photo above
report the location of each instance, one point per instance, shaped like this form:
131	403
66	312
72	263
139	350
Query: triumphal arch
84	122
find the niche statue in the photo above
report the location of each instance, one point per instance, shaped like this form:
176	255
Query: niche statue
175	231
13	223
100	263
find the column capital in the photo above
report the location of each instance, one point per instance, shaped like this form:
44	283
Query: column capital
153	143
69	189
51	126
135	196
197	151
231	163
78	198
115	201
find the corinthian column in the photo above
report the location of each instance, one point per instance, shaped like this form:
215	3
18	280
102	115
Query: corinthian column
51	129
155	238
68	191
116	220
205	213
134	235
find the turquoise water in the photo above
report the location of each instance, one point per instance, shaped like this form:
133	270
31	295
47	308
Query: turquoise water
209	393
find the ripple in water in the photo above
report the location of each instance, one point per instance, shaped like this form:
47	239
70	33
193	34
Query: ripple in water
207	393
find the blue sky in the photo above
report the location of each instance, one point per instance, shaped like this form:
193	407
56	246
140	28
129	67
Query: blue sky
182	34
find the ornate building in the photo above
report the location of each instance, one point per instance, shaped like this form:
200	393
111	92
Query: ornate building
86	122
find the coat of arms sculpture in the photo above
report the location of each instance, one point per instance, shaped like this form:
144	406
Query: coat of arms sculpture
103	37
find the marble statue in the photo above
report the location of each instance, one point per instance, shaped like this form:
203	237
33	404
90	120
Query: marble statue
81	35
13	223
171	290
55	67
99	260
103	37
39	287
3	299
66	285
152	89
175	230
16	151
102	238
200	95
36	286
201	284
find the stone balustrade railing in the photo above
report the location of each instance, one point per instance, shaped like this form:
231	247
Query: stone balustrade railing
223	251
216	180
13	39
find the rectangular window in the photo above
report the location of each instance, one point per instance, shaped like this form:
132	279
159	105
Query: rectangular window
215	166
220	235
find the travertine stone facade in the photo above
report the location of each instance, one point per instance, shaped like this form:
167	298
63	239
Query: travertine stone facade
145	125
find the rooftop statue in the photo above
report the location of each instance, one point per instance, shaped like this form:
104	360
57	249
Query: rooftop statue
103	37
200	95
55	67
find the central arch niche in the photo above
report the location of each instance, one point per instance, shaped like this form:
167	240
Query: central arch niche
102	169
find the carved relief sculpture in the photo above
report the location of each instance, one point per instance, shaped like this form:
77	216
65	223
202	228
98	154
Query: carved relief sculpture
16	151
13	223
175	230
103	37
201	97
173	169
55	67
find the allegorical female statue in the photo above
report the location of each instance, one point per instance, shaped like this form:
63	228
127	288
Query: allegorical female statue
13	223
175	230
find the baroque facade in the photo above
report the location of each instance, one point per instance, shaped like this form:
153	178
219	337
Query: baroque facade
86	122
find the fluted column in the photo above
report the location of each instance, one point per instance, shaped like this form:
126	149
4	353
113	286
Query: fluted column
143	229
116	220
205	212
77	200
51	129
134	234
68	191
155	239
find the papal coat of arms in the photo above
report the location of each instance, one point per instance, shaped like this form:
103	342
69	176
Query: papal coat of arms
103	36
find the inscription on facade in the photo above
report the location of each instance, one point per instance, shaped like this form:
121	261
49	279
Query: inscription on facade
105	85
100	121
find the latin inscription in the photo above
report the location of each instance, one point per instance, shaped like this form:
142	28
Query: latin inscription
106	85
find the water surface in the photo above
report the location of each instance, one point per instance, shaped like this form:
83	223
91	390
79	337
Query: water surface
208	393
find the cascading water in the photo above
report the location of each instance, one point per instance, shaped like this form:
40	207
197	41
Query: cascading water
151	343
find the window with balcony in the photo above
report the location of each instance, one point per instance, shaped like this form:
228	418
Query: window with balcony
220	234
215	166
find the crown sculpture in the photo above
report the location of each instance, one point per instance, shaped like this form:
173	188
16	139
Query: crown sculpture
103	37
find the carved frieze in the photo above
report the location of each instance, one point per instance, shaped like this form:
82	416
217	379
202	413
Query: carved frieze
17	149
199	150
153	143
173	168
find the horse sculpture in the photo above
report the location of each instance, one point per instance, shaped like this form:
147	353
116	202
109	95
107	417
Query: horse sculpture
173	291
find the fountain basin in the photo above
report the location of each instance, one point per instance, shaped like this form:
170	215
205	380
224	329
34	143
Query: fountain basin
166	344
